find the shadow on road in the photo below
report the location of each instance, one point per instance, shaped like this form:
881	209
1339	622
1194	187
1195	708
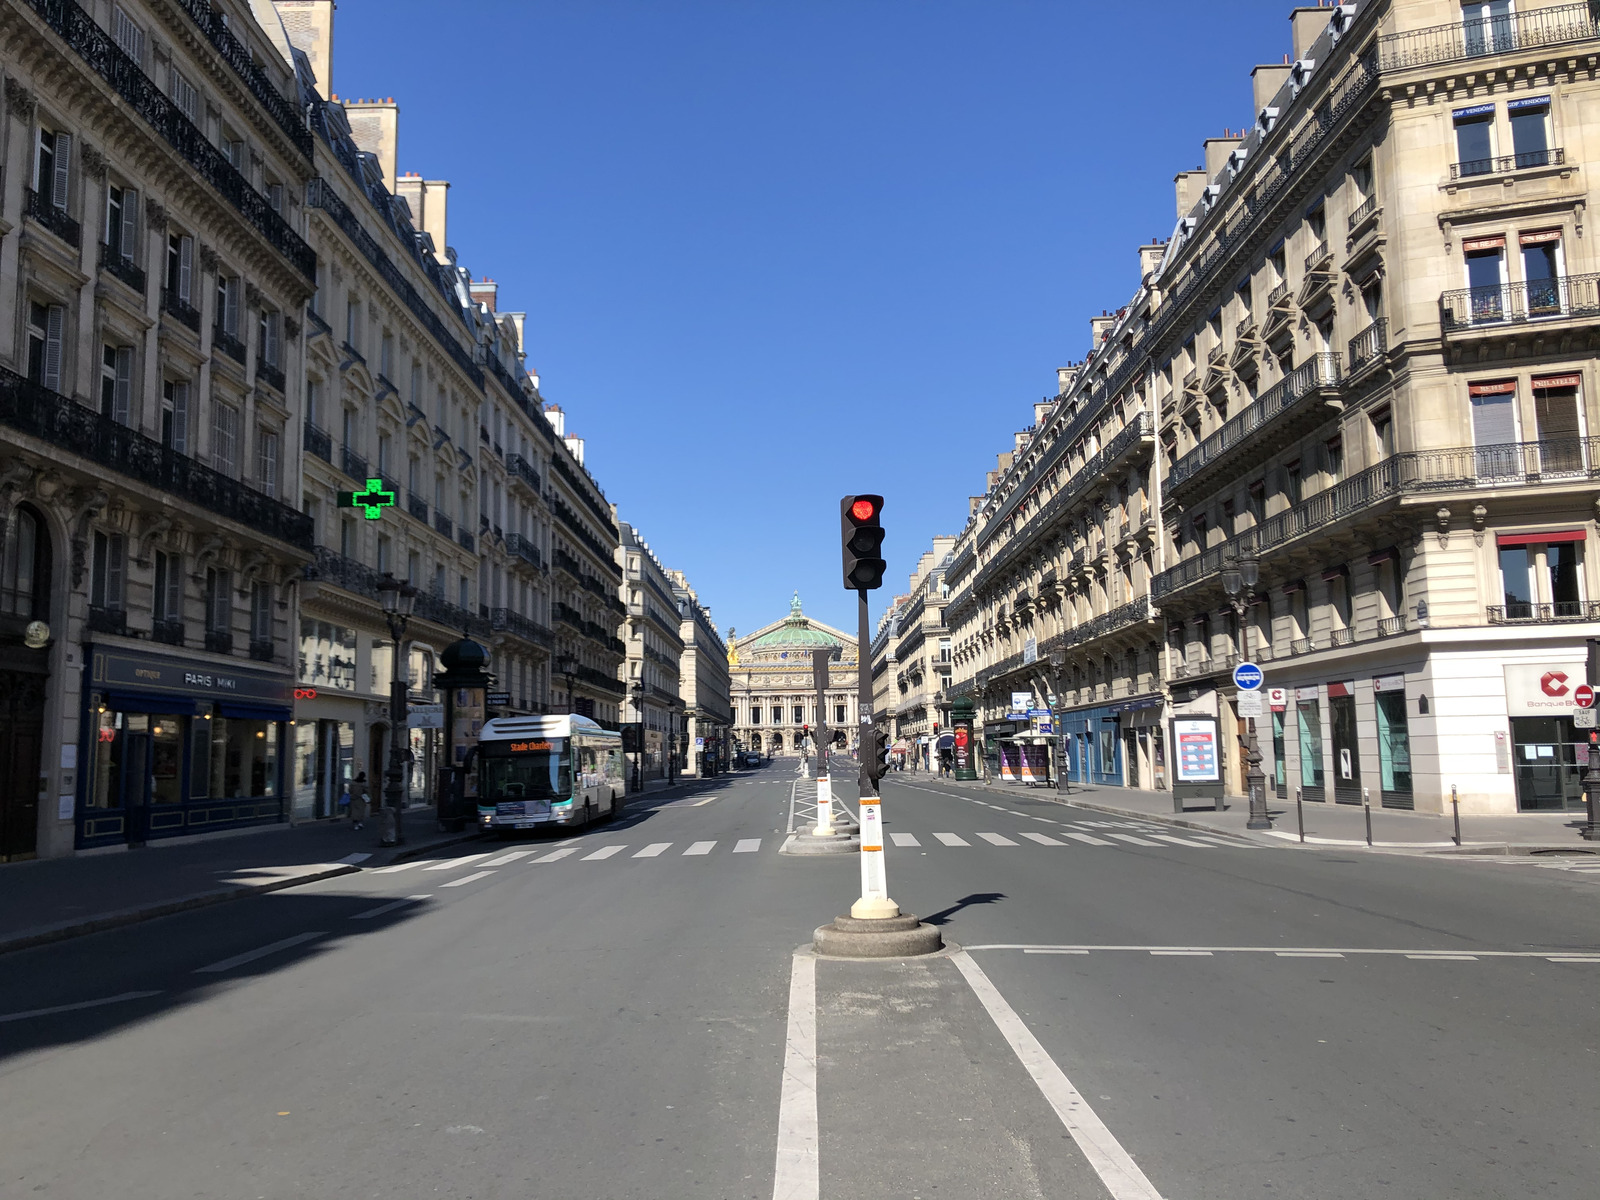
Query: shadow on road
943	915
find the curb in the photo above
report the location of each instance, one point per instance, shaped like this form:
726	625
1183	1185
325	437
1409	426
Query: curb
67	930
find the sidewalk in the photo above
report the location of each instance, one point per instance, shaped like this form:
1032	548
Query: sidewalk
1326	824
52	899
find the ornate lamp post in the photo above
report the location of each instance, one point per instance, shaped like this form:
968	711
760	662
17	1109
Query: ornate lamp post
1240	574
1058	663
399	600
637	692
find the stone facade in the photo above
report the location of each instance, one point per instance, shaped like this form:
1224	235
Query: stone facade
704	684
651	672
773	693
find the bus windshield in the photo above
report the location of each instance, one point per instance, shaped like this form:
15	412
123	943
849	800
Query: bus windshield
542	771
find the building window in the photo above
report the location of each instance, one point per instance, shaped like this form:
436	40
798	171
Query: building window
839	717
1383	431
1488	26
384	553
1530	131
352	324
261	613
167	600
1494	424
108	571
180	267
129	37
183	94
267	461
1541	578
799	714
122	222
175	415
755	714
52	167
270	323
1474	140
116	382
219	601
45	325
25	568
1541	270
225	439
228	287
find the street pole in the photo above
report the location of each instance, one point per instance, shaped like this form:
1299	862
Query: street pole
394	777
874	904
819	679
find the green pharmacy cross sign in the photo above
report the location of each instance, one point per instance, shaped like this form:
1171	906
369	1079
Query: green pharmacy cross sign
372	502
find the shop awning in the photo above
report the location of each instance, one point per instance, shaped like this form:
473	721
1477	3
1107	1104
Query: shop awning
947	741
254	712
139	702
1532	539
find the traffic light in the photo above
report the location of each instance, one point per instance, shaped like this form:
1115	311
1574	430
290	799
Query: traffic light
861	532
878	763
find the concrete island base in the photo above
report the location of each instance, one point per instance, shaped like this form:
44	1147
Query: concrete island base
890	937
806	843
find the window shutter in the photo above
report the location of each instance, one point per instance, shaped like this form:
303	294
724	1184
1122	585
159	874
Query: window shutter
63	180
130	224
180	417
230	312
122	394
52	347
271	320
185	268
114	571
97	582
173	599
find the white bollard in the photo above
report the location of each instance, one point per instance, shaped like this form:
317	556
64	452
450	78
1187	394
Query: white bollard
874	903
824	807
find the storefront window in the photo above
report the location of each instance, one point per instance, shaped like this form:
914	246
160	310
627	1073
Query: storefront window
1309	713
200	757
107	789
166	760
1280	767
1550	763
244	758
1346	754
305	769
327	655
1394	749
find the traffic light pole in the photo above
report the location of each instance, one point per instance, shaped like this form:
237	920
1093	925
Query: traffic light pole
819	672
874	904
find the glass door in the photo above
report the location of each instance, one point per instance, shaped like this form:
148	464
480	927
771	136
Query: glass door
1309	714
1346	752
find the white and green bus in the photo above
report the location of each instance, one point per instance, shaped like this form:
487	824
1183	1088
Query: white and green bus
557	770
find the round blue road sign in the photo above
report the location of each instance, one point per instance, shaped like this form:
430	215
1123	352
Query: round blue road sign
1247	677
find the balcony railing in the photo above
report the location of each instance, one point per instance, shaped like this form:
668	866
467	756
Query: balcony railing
283	111
352	464
1278	297
97	48
1319	255
67	424
1563	297
1458	468
444	524
1506	163
1318	371
219	641
169	633
1391	626
1364	210
1303	646
524	549
114	264
1544	614
468	542
52	218
226	343
1342	637
319	442
181	310
261	649
108	620
1468	39
271	376
417	507
522	472
575	526
435	608
1369	345
584	493
503	620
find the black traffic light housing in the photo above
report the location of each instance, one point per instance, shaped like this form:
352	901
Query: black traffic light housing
861	533
878	761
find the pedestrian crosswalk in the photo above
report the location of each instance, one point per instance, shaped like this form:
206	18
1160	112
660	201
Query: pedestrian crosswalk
1107	834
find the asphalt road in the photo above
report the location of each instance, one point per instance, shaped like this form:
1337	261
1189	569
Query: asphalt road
556	1018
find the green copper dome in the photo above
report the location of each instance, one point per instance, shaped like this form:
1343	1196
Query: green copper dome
795	633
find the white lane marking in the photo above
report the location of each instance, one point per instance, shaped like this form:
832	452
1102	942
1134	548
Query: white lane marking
603	853
994	839
950	839
1128	837
747	846
1178	841
1235	845
508	858
1300	951
78	1007
904	839
1043	839
1307	954
652	850
1181	953
238	960
1443	957
466	879
353	859
451	864
398	867
1121	1175
699	848
554	856
387	908
1055	952
797	1174
1084	837
706	801
1572	958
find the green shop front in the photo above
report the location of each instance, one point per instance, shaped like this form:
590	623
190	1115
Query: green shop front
175	747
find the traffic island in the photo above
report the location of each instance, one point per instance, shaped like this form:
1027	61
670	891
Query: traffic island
903	936
807	843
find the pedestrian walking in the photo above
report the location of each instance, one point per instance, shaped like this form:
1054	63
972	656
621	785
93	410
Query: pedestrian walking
360	801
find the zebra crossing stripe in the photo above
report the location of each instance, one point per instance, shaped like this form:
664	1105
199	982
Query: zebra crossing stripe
699	848
555	855
450	864
950	839
603	853
653	850
1087	838
994	839
1128	837
904	839
747	846
1042	839
465	879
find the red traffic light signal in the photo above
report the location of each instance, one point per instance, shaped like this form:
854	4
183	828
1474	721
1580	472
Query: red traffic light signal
861	533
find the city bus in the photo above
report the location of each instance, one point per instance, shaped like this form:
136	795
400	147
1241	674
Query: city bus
556	770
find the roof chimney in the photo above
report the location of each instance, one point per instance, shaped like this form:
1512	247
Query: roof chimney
485	292
1266	81
1188	185
1217	151
375	125
1306	26
428	200
309	24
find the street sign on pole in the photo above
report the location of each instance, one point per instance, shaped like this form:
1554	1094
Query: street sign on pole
1250	704
1584	718
1583	696
1247	677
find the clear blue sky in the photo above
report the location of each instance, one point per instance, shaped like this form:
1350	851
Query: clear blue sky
777	251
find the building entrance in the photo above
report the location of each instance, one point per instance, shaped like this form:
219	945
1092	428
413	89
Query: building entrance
1550	760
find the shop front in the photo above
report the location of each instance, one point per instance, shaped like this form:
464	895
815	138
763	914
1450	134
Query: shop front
1092	745
177	747
1143	747
1549	754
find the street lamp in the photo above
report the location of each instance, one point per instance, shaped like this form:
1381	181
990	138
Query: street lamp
638	738
568	667
399	600
1240	574
1058	662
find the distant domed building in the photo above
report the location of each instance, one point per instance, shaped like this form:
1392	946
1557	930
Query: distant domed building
774	696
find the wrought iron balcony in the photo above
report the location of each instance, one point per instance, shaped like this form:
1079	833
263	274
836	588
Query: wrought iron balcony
352	464
225	343
1461	40
100	51
167	632
261	649
1342	637
1524	613
439	611
468	542
1565	297
219	641
417	507
64	423
1369	345
503	620
525	550
109	620
114	264
1391	626
271	376
444	524
333	567
522	472
584	487
1363	210
1303	646
1318	372
568	518
1319	257
181	310
318	442
283	111
52	218
1278	297
1506	163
